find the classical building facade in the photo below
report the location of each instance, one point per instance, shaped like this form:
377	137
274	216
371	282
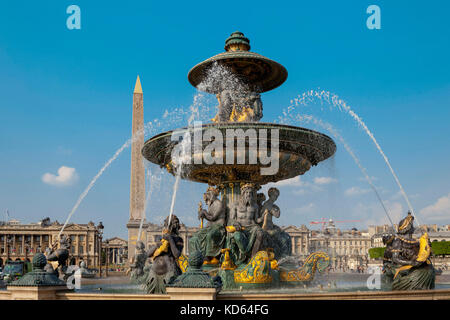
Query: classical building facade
348	249
300	238
21	241
116	250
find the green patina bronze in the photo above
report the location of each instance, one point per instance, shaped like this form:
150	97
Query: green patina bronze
195	277
38	277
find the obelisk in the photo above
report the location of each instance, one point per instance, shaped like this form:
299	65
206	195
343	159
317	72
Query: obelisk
137	180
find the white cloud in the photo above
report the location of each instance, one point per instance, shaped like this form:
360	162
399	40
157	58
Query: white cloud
66	176
324	180
301	187
356	191
439	210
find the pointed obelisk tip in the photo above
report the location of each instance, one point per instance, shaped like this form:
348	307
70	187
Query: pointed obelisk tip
137	87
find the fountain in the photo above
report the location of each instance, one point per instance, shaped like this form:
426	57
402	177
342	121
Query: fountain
235	155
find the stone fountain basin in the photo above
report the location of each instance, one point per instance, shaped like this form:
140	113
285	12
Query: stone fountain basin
299	149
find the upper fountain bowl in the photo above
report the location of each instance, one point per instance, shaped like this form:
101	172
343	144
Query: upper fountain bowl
298	150
259	73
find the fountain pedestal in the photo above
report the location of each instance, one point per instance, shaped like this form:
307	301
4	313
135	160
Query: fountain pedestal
192	293
37	284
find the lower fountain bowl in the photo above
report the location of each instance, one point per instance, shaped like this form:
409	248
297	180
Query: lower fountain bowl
298	150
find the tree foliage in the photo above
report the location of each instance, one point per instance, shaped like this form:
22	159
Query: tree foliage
376	253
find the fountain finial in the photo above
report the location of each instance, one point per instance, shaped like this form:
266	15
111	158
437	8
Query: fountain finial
237	42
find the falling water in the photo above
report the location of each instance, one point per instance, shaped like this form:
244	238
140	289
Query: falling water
329	127
335	101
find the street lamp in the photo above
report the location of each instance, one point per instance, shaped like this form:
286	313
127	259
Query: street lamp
8	246
100	228
27	247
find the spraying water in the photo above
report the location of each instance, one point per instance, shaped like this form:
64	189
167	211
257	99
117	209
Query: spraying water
334	100
333	131
91	184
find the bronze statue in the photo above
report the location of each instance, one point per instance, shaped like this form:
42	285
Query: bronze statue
137	266
245	236
59	255
164	256
411	259
238	105
279	240
210	240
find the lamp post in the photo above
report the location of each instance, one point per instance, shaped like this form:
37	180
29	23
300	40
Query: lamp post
8	246
27	247
100	228
106	257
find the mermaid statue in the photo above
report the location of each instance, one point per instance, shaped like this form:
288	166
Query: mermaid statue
411	265
164	255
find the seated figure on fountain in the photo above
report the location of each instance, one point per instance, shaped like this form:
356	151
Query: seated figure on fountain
210	240
279	240
164	267
245	237
410	258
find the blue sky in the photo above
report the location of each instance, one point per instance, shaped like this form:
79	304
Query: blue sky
65	100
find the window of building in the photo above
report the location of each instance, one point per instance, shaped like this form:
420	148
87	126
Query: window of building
81	238
72	238
45	238
72	249
80	250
